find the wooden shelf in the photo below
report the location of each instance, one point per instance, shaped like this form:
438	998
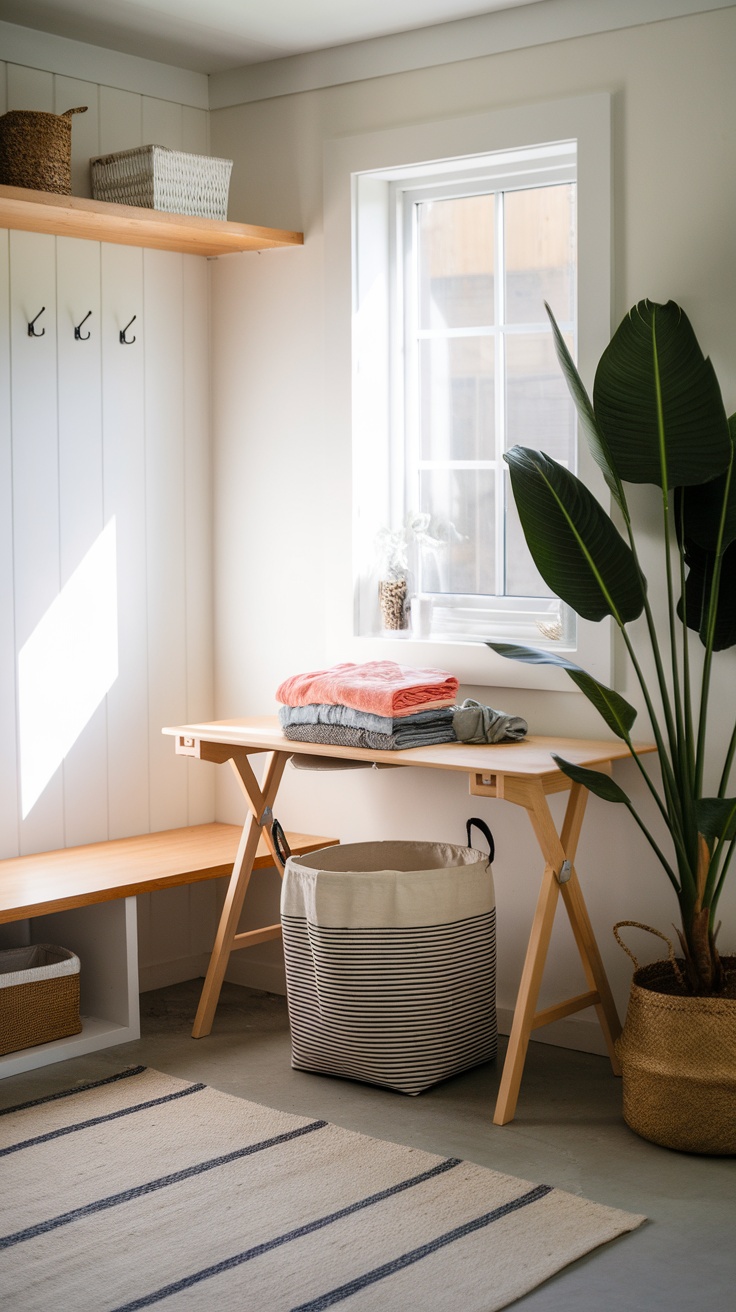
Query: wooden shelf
96	220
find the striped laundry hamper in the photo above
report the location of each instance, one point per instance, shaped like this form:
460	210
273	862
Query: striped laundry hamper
390	954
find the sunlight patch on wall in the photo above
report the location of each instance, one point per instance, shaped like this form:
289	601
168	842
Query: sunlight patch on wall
67	666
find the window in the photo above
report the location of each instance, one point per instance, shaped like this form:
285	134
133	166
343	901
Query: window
441	358
473	372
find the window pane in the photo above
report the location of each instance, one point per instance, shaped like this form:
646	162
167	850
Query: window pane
456	398
462	505
456	262
539	408
540	247
522	576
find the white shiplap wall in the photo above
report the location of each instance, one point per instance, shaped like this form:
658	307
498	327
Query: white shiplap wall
91	430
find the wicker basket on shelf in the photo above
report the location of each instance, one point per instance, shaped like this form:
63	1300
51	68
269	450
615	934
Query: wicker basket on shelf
39	996
36	149
154	177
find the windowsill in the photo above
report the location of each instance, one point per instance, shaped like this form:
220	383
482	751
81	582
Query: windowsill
471	662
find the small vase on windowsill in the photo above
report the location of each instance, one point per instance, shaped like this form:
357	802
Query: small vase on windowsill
392	595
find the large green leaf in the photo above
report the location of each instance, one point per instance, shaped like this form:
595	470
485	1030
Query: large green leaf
702	510
576	547
600	784
698	584
716	818
618	714
588	422
658	403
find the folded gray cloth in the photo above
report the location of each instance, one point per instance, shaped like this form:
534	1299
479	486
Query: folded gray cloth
341	735
301	761
349	718
475	723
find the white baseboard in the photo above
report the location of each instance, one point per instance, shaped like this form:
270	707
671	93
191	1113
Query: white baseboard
582	1035
244	968
161	973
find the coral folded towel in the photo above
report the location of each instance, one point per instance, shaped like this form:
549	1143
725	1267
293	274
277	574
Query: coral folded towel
381	687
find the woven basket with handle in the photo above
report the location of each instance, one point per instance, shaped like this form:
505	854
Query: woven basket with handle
36	149
678	1055
39	995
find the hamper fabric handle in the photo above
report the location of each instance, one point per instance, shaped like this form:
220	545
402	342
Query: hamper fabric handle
636	924
481	824
281	846
80	109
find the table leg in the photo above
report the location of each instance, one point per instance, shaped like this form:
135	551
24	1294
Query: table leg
260	802
559	877
526	1001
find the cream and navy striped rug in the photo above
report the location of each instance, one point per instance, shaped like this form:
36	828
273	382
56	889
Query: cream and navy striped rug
146	1191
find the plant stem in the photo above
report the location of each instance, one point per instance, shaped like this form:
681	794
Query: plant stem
722	880
647	779
679	764
653	844
727	767
668	779
686	674
652	629
711	881
710	636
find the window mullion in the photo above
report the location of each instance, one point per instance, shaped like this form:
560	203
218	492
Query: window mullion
408	495
499	296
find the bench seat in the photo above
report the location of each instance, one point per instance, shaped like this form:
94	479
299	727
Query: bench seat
45	882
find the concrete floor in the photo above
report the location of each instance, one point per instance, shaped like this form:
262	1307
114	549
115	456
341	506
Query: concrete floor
568	1132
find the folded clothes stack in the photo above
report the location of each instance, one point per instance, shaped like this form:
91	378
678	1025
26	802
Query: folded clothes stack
376	704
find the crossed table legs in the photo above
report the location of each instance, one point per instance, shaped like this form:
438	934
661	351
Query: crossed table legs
559	878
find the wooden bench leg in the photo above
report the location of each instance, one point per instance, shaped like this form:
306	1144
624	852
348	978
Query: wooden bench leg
559	878
260	802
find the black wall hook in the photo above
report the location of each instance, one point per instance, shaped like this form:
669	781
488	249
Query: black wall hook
31	330
125	341
79	336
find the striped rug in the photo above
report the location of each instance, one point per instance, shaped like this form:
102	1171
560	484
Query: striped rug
146	1191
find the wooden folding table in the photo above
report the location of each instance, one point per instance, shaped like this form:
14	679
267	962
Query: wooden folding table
522	773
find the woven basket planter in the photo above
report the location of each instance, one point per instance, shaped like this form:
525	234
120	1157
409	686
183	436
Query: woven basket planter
39	996
154	177
36	150
678	1055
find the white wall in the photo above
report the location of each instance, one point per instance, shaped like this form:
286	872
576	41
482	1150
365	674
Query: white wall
94	429
283	468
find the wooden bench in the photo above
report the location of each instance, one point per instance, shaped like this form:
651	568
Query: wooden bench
99	872
90	892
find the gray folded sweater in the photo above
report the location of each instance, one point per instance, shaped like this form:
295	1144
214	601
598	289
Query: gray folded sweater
475	723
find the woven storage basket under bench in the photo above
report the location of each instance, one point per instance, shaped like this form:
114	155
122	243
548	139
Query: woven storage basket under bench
39	996
157	178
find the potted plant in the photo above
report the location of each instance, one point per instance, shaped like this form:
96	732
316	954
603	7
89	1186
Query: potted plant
657	417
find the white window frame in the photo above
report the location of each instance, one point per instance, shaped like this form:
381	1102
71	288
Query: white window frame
358	302
457	617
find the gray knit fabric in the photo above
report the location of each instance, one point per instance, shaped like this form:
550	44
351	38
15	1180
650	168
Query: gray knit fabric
475	723
342	736
350	718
